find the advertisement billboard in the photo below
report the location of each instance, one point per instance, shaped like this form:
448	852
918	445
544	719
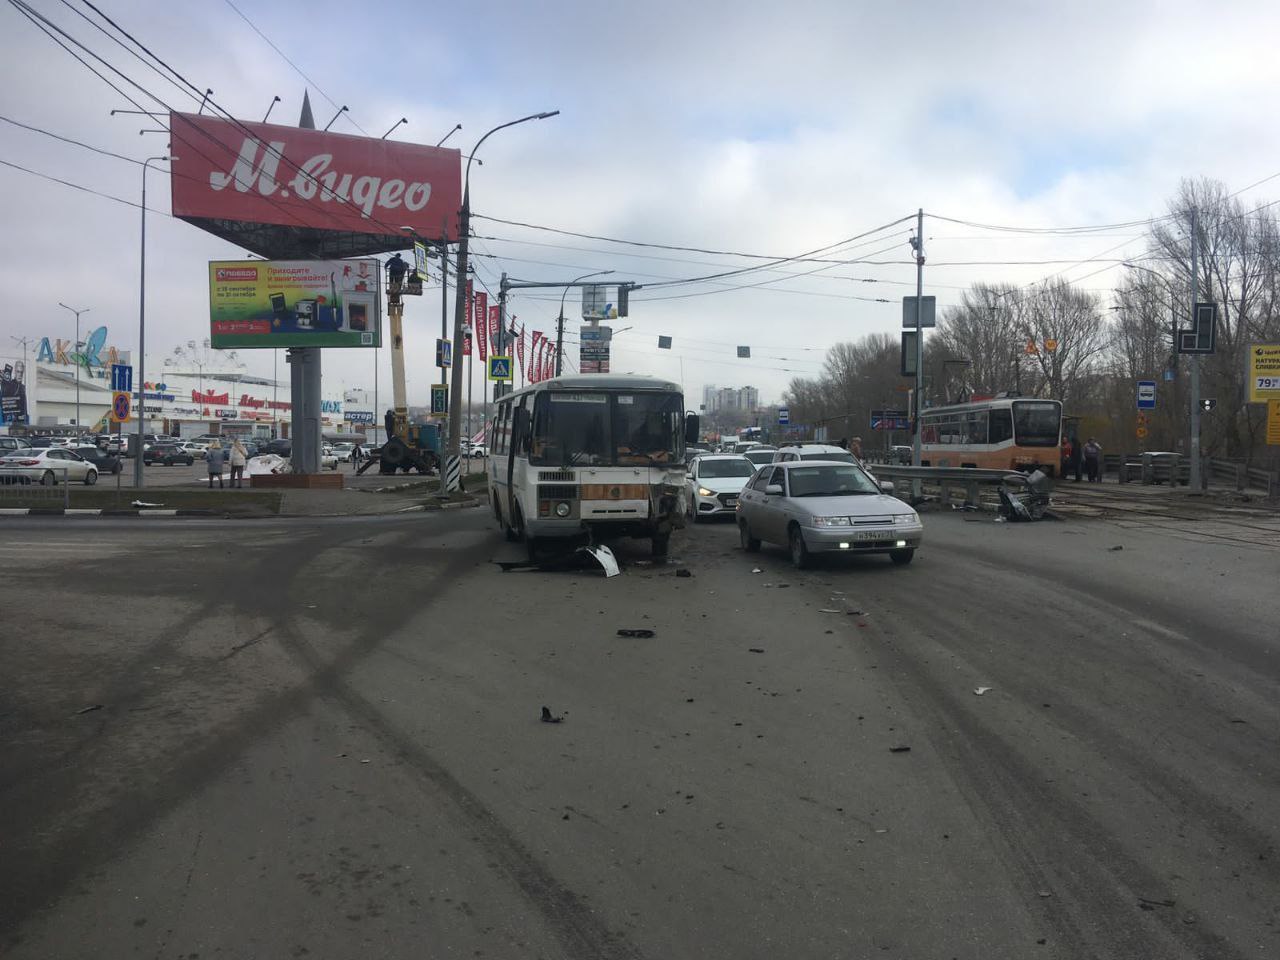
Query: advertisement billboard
294	303
13	392
233	170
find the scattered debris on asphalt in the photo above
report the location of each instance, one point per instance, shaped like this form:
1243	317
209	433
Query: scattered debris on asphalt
1238	720
755	649
979	691
1044	894
143	504
641	634
828	610
682	572
96	706
1146	903
854	613
756	570
1115	548
582	558
549	717
899	749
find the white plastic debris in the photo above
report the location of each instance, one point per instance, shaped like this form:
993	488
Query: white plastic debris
979	691
141	504
756	570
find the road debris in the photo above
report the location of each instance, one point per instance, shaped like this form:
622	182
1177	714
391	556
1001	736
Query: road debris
682	572
756	570
1146	903
979	691
755	649
900	749
96	706
1115	548
583	557
641	634
142	504
549	717
828	610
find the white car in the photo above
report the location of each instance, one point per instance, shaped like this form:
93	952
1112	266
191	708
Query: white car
477	450
813	451
328	459
344	451
47	466
714	482
195	448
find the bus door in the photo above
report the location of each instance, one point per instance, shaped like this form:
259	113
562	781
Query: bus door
517	465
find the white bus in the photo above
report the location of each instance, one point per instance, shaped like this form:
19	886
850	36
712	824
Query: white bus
590	456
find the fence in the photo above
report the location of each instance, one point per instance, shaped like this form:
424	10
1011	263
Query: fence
947	479
16	489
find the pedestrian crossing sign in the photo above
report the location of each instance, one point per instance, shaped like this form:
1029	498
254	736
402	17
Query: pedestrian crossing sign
500	368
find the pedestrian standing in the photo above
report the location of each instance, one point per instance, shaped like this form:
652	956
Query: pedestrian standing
855	447
1093	460
1067	448
215	456
239	457
1077	455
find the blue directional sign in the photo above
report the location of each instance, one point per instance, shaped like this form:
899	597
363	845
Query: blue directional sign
121	378
444	353
1146	394
784	416
500	368
890	420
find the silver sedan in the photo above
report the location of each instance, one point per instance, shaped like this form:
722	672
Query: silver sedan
48	466
825	507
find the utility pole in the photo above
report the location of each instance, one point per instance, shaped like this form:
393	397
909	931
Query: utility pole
919	391
77	350
1196	479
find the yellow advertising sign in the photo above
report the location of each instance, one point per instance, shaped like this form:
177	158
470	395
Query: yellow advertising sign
1264	372
1273	422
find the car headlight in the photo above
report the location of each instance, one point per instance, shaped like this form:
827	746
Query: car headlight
905	518
704	492
831	521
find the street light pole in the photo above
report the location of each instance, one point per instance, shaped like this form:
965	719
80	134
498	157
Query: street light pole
464	228
916	489
560	321
142	326
77	350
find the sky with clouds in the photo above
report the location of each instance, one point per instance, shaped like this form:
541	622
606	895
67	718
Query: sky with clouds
757	128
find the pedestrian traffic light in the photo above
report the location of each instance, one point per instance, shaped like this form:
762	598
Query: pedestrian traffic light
1208	404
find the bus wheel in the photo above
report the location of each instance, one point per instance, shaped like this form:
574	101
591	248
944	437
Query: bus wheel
661	544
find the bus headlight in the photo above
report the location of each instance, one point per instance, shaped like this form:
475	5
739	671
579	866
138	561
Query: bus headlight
562	510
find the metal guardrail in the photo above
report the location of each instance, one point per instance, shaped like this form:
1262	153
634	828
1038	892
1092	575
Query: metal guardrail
948	478
1244	476
15	489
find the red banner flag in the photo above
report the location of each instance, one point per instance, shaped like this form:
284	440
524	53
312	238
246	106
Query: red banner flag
494	320
535	354
482	308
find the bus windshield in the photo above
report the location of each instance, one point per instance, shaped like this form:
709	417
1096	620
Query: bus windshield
602	429
1036	423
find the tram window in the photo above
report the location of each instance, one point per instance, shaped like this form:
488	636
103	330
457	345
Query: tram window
1001	426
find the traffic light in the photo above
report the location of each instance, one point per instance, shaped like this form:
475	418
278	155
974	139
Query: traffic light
1207	404
624	294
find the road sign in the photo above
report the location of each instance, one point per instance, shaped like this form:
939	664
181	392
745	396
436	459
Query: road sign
500	368
784	416
1273	422
119	406
1200	338
1146	394
1264	372
122	377
1142	433
928	316
439	398
1050	345
420	259
444	353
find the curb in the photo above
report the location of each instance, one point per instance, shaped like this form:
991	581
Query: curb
103	512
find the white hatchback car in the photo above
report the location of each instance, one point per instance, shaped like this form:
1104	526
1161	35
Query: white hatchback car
714	482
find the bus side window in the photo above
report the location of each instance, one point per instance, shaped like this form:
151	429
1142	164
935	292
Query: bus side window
500	429
1000	426
526	429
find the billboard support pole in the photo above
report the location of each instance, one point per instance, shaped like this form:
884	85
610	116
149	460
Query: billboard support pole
304	384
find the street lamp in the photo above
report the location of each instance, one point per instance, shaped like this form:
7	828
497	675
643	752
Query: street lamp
77	350
464	228
142	325
560	320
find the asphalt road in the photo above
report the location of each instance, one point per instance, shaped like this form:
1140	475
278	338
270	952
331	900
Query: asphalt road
322	739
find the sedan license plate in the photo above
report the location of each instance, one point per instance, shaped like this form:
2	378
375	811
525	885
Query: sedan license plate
871	535
730	501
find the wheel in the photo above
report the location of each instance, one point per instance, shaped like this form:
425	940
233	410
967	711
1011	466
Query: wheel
693	510
661	544
799	552
48	479
91	478
514	531
749	543
902	557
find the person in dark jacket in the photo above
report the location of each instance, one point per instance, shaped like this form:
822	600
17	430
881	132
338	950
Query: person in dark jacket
1093	460
1076	457
215	456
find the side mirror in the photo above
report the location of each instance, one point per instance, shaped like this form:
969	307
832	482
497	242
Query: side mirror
886	486
691	424
774	489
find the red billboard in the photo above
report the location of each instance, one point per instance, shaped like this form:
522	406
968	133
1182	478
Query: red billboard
266	173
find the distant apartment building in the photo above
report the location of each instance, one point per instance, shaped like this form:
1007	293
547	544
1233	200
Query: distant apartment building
736	399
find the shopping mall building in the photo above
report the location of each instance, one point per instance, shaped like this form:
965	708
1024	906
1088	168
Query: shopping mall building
59	388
